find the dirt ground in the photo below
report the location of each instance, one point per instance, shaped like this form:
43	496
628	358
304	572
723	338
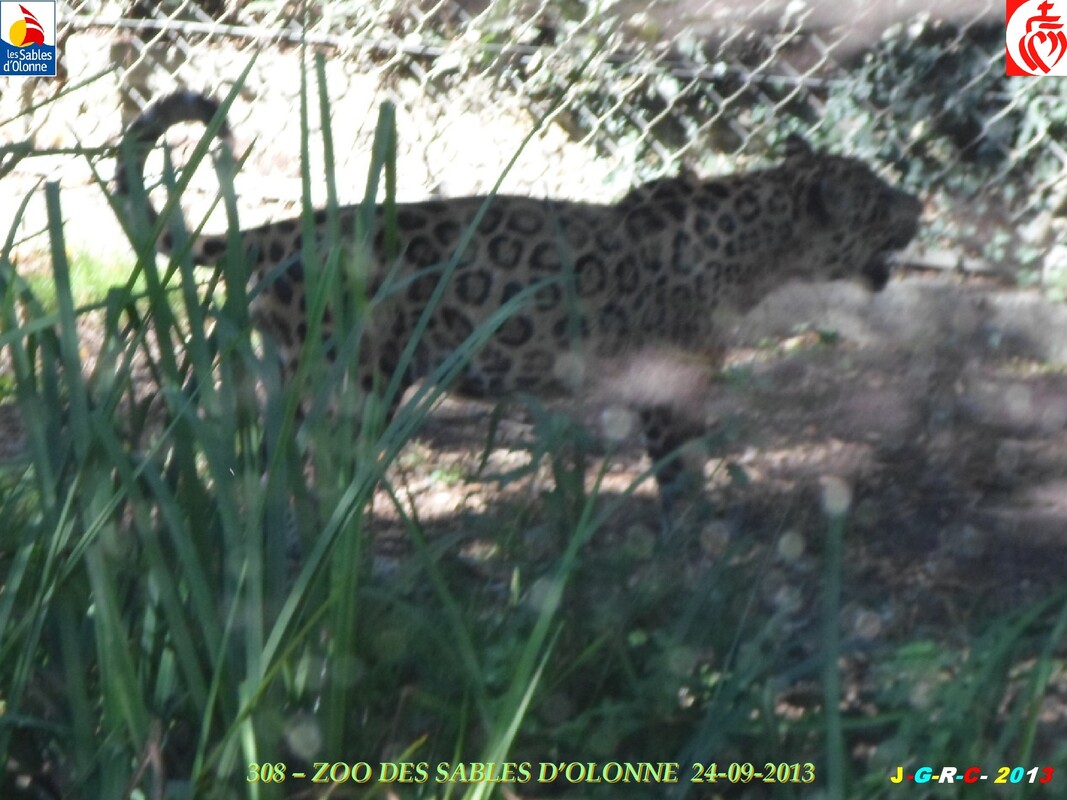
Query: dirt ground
935	412
936	407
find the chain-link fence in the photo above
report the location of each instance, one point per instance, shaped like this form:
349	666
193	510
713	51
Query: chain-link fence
628	90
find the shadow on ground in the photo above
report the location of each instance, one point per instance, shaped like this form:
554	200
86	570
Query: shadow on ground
939	406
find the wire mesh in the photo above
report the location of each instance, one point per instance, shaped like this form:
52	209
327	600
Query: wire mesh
631	91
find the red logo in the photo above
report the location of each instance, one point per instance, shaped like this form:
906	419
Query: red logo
1035	41
26	31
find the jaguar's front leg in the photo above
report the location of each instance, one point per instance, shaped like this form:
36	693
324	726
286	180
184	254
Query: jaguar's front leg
678	450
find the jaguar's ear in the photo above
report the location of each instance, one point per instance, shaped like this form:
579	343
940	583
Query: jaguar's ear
796	147
826	203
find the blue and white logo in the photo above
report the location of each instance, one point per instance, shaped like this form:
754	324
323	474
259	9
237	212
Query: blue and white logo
28	39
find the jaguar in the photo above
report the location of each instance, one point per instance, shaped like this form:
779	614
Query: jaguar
598	292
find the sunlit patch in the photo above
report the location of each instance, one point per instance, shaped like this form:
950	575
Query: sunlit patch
788	599
715	538
836	496
617	423
791	546
862	623
570	370
304	736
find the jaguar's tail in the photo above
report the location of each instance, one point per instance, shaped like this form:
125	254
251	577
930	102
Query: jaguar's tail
143	132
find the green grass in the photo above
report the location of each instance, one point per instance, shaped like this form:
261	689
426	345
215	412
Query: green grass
182	610
91	278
